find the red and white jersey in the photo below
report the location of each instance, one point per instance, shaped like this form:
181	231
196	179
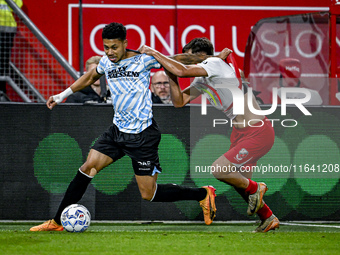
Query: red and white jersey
215	85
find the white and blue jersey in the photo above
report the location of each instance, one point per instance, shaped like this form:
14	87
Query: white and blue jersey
129	81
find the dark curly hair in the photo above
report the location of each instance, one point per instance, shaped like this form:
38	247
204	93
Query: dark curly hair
199	45
114	31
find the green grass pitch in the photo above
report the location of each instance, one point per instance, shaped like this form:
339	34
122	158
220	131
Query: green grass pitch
166	238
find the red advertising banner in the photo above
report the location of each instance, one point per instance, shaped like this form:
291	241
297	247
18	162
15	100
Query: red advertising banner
169	25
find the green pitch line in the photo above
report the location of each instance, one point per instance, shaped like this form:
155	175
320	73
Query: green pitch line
158	238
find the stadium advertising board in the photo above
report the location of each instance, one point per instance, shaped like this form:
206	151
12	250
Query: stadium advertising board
301	168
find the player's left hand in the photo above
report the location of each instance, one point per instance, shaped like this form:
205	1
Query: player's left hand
224	53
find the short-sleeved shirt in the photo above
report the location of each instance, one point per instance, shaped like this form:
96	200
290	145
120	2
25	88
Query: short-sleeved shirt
220	76
129	81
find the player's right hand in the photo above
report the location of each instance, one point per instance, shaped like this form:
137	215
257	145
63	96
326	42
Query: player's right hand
57	99
51	103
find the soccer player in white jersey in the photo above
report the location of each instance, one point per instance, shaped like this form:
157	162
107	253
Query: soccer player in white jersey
134	132
248	143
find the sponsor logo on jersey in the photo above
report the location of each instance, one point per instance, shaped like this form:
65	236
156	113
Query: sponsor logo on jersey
121	72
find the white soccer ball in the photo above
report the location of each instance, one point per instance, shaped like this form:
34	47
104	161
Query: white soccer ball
75	218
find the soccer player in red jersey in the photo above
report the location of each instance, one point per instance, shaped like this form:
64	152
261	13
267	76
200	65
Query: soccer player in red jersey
215	78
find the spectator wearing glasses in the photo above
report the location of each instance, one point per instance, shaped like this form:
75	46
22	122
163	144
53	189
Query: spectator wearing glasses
160	88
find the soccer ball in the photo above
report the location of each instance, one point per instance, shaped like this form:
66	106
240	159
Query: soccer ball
75	218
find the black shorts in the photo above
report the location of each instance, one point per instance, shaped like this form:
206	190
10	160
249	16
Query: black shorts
142	148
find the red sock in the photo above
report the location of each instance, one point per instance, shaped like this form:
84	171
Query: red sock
264	212
252	187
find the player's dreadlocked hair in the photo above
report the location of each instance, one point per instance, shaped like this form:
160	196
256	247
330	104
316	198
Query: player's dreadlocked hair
114	31
199	45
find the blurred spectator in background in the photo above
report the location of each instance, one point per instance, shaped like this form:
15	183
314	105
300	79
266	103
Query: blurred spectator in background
8	30
160	88
91	94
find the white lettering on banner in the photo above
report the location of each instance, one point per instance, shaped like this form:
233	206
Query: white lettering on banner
260	61
266	38
318	49
271	43
189	29
287	48
92	36
234	38
208	11
212	38
154	33
270	33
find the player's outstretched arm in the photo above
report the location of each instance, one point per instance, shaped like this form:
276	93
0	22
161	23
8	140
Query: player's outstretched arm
85	80
173	66
191	59
180	98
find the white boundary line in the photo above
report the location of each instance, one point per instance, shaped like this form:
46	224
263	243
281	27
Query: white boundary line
257	8
297	223
180	7
141	222
203	7
308	225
